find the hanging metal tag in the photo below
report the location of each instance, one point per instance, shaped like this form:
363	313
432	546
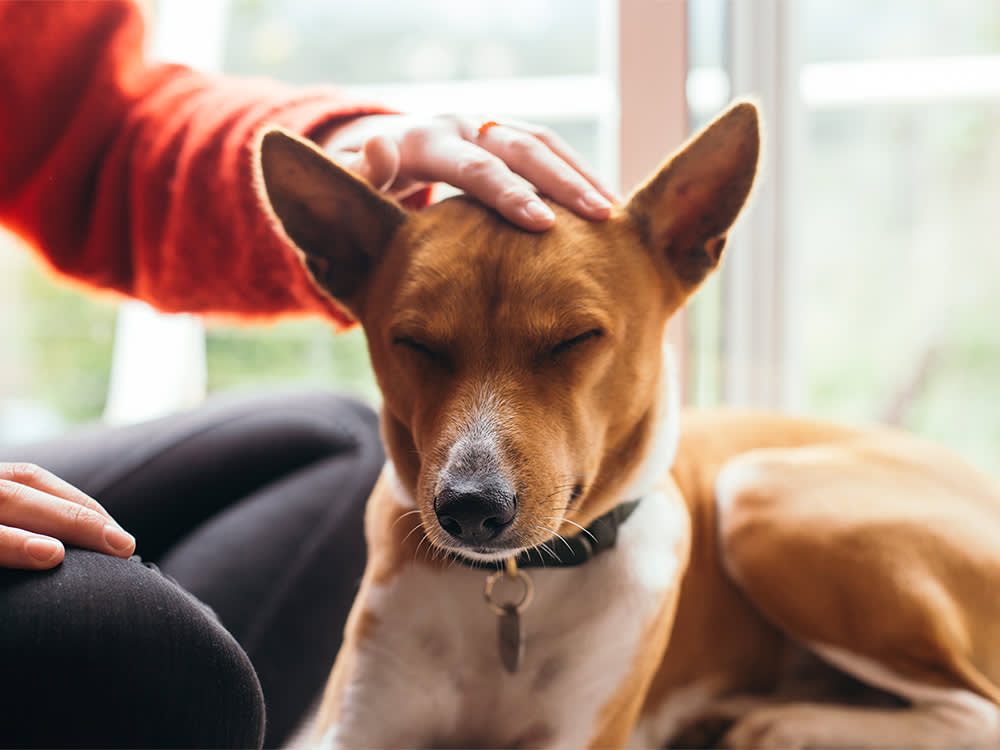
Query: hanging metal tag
510	638
510	635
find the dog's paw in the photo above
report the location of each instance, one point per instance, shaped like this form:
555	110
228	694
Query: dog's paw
777	728
706	732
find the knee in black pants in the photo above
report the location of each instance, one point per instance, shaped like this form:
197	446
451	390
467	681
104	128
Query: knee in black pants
103	652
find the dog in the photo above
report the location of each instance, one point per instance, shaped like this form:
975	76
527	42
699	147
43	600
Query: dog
560	556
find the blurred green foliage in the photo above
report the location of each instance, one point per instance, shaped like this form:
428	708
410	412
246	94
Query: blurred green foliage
895	240
301	353
69	335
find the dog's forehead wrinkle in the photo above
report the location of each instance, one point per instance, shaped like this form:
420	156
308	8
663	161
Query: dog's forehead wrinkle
425	294
508	276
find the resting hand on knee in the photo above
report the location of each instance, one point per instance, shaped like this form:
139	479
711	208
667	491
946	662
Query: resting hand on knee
40	511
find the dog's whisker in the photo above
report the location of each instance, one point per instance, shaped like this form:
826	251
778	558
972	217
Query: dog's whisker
411	532
563	487
439	553
404	515
544	547
428	550
566	486
416	551
433	552
555	493
556	533
574	523
586	517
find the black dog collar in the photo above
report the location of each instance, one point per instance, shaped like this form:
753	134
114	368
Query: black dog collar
601	535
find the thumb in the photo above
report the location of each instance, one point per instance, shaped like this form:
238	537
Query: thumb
378	162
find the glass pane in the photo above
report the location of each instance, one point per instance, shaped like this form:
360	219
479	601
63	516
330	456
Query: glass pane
895	225
391	41
889	29
898	242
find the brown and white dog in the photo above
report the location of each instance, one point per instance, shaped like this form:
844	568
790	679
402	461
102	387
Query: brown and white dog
780	583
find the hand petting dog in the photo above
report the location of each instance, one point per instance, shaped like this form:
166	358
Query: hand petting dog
501	164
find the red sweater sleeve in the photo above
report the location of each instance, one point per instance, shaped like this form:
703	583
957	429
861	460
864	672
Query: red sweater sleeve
138	177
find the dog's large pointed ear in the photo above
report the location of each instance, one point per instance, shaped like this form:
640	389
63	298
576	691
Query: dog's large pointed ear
339	222
685	210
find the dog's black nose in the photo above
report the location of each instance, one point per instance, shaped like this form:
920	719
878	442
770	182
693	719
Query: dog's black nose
474	512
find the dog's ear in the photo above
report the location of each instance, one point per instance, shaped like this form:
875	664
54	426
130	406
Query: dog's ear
339	222
685	210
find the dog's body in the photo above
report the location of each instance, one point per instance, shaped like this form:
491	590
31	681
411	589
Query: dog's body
781	583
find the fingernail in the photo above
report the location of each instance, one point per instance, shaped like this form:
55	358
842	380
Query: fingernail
535	210
117	539
43	550
594	201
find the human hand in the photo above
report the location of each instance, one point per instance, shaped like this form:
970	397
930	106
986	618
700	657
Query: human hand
498	164
40	511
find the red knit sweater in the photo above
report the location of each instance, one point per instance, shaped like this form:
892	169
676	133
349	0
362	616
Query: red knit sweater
138	177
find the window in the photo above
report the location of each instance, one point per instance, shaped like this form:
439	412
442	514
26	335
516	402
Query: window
900	165
865	284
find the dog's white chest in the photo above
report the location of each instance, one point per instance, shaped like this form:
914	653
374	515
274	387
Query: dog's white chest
430	672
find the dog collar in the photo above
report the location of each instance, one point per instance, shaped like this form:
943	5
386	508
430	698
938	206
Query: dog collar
601	535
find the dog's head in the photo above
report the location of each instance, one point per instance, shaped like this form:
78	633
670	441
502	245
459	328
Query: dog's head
521	372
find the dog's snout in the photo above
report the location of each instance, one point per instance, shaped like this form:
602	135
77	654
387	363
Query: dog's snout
475	512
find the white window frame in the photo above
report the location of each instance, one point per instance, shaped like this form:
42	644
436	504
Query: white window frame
759	364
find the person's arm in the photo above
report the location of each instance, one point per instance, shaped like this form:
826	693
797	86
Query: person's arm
138	177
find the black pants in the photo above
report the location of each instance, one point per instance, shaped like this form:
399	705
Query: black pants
253	507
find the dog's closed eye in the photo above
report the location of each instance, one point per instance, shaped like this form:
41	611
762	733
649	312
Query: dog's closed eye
571	343
422	349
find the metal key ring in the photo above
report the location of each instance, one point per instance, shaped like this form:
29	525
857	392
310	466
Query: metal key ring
526	595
